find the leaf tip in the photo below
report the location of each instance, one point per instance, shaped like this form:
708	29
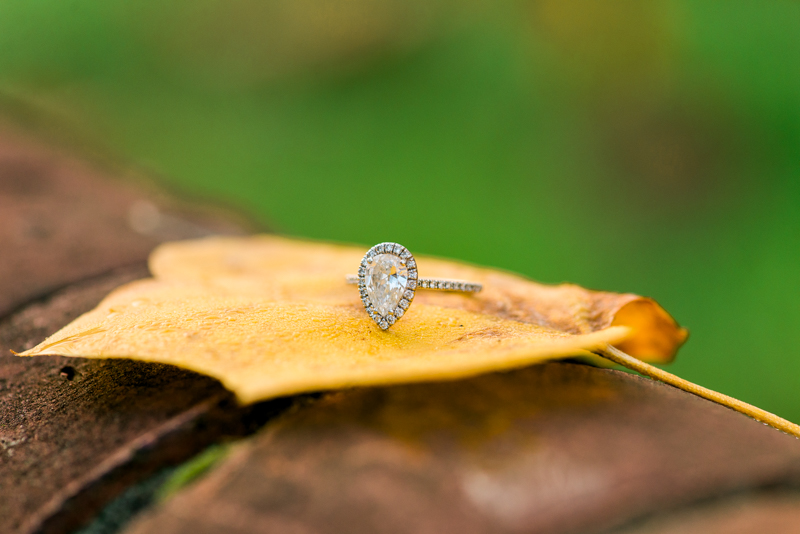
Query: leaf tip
655	335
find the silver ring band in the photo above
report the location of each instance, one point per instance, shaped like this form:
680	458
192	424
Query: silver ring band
435	283
387	281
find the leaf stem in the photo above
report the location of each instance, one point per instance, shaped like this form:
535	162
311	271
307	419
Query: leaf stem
625	360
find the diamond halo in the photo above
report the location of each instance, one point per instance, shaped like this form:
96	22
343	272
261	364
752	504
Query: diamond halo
387	282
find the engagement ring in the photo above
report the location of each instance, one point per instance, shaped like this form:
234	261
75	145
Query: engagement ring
387	280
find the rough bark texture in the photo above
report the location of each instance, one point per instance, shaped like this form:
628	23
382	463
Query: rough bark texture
76	432
73	432
559	448
65	219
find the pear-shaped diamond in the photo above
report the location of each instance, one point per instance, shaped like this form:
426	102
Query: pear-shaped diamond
386	278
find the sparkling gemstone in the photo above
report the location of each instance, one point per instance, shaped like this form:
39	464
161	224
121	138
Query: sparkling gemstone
386	280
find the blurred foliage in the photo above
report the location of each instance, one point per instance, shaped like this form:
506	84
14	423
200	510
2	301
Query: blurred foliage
650	147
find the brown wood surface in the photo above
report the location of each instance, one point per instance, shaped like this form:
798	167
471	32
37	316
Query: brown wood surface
65	218
559	448
556	448
74	433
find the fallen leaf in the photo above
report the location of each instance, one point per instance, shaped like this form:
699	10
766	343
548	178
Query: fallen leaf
270	316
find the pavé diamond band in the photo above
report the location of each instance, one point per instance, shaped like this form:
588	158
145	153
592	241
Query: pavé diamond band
387	281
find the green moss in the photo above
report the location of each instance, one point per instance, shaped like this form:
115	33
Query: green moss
191	471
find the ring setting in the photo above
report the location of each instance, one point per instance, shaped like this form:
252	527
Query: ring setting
388	281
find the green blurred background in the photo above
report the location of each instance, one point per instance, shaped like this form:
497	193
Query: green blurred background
649	146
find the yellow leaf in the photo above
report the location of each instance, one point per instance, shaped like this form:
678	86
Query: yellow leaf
270	316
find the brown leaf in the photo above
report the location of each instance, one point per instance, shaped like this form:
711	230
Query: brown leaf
270	316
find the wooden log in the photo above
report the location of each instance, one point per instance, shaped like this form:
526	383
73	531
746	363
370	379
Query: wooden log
67	218
74	433
559	448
